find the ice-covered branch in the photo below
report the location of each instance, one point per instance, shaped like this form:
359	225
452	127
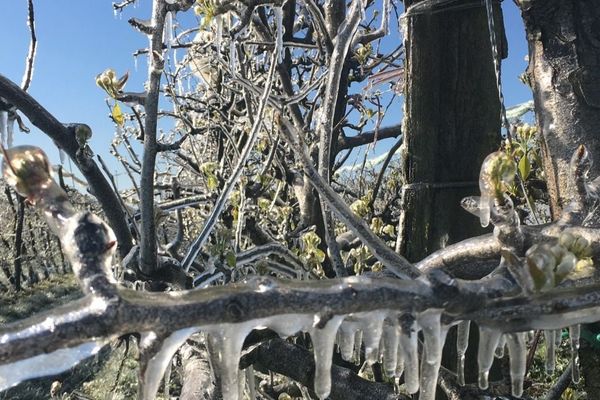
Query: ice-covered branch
65	139
385	310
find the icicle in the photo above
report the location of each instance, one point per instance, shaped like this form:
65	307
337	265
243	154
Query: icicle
574	332
250	382
517	350
550	350
488	341
278	13
46	364
135	63
322	340
391	336
399	358
346	336
462	342
218	21
232	57
62	155
10	131
557	337
3	127
501	345
409	346
290	324
371	326
158	363
226	341
168	34
434	336
358	338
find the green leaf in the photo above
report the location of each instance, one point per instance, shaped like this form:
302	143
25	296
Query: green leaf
524	167
230	258
319	255
117	115
212	182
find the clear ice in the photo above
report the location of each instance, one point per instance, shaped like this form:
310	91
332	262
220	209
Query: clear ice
410	348
488	341
434	336
46	364
278	12
158	363
549	336
517	351
574	333
462	343
323	340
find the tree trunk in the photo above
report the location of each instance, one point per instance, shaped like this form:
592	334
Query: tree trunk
451	122
564	61
564	71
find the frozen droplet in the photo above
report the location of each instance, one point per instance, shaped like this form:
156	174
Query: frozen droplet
488	341
46	364
409	346
156	365
517	351
462	343
574	332
391	337
550	350
323	340
434	336
484	209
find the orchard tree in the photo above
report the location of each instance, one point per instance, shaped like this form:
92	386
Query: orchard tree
246	214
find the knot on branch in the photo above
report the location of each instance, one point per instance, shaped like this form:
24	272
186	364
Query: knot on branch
585	194
443	285
90	243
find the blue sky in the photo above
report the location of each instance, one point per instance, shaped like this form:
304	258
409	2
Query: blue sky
78	39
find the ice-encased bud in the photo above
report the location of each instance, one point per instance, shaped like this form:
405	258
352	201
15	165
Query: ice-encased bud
27	170
497	174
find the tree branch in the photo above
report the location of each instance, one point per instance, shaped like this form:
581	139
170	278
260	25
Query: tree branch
61	135
349	142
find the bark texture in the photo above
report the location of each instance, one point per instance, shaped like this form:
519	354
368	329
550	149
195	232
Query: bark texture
564	70
451	122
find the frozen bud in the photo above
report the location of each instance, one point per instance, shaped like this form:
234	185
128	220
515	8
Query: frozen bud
541	265
566	265
558	251
55	388
566	239
580	246
27	170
